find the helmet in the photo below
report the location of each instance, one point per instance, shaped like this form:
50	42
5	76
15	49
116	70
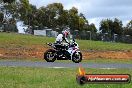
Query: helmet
66	32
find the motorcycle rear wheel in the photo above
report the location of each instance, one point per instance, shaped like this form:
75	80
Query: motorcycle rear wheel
49	55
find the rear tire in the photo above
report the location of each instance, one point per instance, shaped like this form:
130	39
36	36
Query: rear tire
77	57
49	55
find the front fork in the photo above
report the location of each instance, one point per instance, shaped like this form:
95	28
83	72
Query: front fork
72	51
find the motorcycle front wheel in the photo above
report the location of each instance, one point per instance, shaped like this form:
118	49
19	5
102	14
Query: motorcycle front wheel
77	57
49	55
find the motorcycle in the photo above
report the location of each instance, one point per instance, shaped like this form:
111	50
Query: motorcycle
63	52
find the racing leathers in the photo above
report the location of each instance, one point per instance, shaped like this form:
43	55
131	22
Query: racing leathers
60	38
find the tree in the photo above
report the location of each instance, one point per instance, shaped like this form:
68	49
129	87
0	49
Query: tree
8	9
62	21
42	17
129	25
33	16
128	29
1	17
104	26
83	22
111	27
92	28
8	1
53	12
52	16
117	27
25	11
74	19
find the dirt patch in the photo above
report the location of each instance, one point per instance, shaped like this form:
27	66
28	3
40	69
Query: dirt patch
108	54
37	51
23	52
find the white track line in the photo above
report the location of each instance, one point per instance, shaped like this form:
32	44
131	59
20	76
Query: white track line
69	67
108	68
58	67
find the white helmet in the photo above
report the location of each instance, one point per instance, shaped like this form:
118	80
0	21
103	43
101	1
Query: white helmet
66	32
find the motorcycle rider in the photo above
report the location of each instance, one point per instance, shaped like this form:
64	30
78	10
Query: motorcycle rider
63	37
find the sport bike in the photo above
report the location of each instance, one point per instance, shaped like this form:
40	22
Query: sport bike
63	52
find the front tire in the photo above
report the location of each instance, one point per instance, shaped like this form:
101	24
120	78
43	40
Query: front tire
49	55
77	57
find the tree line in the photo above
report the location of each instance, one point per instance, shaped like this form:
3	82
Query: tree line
51	16
54	16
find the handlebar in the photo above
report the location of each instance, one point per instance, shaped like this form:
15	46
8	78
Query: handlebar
66	45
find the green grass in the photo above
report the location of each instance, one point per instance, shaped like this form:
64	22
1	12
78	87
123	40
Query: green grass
99	45
25	77
19	40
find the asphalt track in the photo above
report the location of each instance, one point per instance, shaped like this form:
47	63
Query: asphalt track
65	64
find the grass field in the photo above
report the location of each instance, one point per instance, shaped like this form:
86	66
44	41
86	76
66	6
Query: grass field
17	40
24	77
27	77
